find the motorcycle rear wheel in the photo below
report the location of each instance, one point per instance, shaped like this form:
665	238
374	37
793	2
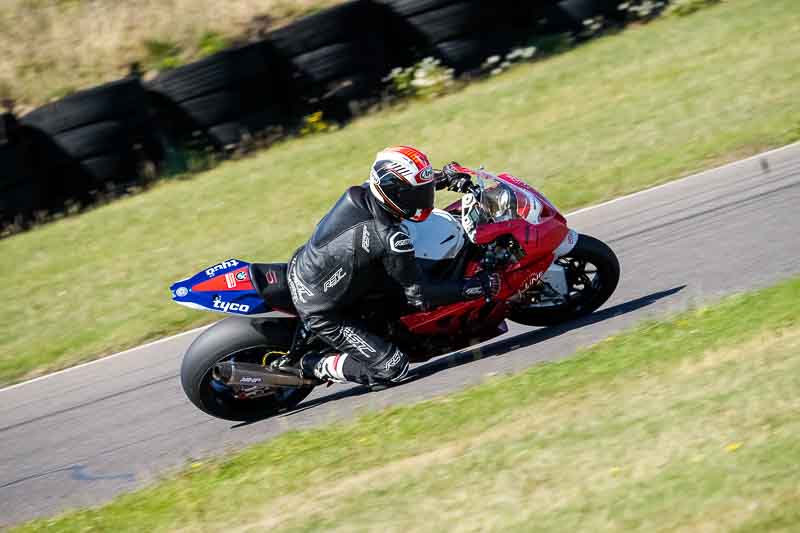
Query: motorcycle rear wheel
243	340
592	270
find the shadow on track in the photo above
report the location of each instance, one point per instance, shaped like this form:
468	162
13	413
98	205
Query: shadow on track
494	349
535	336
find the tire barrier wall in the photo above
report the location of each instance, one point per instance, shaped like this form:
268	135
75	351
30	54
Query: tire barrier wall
101	137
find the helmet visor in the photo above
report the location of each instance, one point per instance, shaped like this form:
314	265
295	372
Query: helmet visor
412	199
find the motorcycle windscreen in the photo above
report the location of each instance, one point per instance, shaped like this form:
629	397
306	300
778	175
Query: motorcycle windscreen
223	288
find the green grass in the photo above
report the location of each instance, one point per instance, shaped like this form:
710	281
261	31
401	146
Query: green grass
622	113
684	424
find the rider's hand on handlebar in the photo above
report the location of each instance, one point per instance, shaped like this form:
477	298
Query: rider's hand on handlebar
452	179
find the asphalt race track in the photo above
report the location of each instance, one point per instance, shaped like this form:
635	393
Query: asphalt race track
79	437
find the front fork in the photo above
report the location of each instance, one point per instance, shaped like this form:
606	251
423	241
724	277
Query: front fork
550	279
555	277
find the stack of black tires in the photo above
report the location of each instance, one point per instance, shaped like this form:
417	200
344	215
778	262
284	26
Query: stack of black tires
103	136
461	33
225	96
20	191
336	56
88	140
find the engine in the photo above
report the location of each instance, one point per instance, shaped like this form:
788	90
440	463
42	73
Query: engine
502	252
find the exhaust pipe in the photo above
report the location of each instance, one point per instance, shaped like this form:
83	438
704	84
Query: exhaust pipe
253	375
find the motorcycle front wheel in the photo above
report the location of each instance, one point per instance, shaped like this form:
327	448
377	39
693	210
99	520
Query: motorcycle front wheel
592	271
240	340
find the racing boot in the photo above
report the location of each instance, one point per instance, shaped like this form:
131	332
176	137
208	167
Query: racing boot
325	367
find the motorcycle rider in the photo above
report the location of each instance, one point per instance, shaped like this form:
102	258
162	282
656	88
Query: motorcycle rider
353	249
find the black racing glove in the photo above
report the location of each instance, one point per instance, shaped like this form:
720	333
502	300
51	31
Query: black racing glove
452	179
484	285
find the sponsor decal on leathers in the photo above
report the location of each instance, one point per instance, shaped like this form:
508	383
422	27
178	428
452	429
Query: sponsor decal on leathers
365	239
401	243
299	289
357	342
296	287
332	281
396	358
272	277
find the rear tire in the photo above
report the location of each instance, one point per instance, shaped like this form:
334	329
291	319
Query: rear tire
244	340
587	251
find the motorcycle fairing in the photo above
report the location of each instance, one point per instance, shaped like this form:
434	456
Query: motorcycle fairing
538	228
439	237
223	288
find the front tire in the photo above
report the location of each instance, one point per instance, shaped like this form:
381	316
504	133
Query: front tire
244	340
592	270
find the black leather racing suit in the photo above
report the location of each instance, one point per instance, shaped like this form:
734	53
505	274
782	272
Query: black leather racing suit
352	251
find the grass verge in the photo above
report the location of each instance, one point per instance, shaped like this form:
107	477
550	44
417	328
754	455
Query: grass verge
622	113
685	424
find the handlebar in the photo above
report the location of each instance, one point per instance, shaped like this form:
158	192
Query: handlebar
455	181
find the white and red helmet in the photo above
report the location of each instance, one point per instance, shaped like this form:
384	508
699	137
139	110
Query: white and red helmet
401	179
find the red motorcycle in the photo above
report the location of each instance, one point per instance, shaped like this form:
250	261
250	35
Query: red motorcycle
246	367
